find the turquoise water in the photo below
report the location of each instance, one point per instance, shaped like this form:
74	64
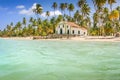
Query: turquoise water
59	60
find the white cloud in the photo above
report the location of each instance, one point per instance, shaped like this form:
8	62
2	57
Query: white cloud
57	12
28	11
33	6
20	6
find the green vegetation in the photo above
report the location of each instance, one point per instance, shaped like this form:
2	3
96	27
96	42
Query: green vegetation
105	22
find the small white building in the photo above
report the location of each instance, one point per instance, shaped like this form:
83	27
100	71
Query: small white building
70	28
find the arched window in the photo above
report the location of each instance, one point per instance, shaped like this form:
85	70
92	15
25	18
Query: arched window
78	32
67	26
68	32
73	32
84	33
61	32
63	26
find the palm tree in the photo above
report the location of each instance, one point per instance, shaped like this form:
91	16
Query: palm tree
106	20
110	2
76	14
63	7
81	4
19	25
106	14
47	14
34	23
114	15
18	28
11	24
66	6
54	6
99	7
95	17
95	20
31	19
24	21
118	8
38	10
99	4
85	10
9	30
39	21
70	8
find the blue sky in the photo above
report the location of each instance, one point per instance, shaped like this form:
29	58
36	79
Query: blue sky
15	10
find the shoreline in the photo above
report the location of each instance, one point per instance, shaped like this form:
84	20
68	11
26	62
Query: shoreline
87	38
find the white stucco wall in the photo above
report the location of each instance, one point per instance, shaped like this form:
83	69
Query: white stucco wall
83	32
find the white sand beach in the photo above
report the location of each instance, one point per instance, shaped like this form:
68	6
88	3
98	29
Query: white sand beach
87	38
18	38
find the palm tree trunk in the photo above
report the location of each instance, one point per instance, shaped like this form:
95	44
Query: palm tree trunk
70	14
111	7
64	14
54	12
47	18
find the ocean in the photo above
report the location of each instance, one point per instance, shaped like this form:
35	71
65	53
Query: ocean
59	60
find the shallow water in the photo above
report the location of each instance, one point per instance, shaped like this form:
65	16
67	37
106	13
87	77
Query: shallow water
59	60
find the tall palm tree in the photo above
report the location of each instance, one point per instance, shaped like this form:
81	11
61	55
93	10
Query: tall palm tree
99	3
63	7
95	17
34	23
39	21
81	4
31	19
54	6
110	2
24	21
105	14
11	24
18	28
47	14
19	25
76	14
106	20
118	8
70	8
38	10
66	6
85	10
9	29
99	7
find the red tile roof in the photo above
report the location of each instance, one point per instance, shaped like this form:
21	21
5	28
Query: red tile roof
72	24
